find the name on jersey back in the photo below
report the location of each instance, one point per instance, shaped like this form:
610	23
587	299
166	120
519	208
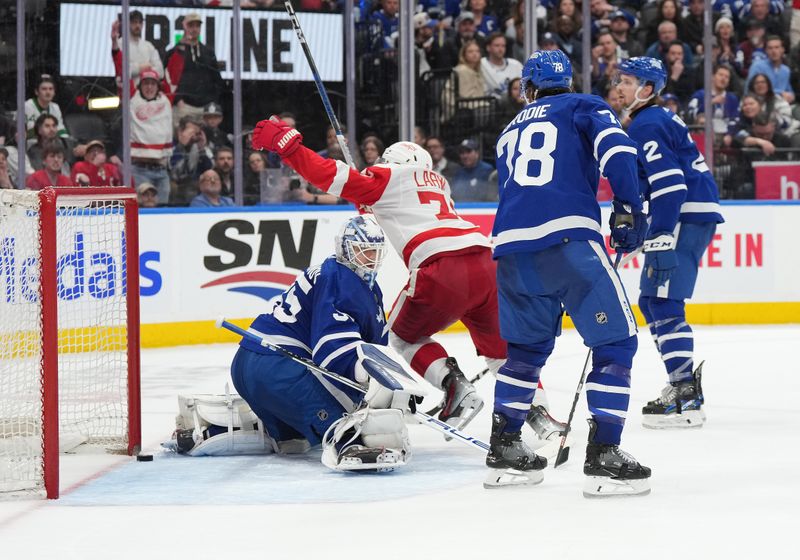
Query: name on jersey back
429	179
535	112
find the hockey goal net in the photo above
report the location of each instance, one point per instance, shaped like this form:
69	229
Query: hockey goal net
69	331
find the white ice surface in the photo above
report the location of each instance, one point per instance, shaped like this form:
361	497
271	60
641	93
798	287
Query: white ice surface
729	490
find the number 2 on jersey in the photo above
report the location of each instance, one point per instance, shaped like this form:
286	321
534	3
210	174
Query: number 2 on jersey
519	157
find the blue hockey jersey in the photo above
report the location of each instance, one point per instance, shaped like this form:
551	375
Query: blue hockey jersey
549	161
324	316
679	184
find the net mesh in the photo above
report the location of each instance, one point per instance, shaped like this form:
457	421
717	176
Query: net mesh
92	332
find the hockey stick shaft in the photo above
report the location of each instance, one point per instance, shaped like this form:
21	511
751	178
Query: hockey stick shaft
563	453
423	418
323	93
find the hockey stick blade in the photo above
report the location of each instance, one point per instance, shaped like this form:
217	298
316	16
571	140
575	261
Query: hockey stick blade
436	409
562	457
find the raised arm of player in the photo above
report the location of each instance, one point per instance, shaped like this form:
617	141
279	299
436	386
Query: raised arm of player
330	175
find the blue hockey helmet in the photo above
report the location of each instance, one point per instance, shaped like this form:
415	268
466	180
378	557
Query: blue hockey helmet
647	70
361	246
547	69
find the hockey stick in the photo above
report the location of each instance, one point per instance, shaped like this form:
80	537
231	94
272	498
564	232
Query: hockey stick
438	407
425	419
563	452
337	128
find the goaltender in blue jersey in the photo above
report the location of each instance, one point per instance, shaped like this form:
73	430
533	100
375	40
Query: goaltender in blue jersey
551	256
684	212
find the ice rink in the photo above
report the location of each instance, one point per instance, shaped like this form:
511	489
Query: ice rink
728	490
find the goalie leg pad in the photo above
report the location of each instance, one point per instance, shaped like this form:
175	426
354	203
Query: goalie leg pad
367	439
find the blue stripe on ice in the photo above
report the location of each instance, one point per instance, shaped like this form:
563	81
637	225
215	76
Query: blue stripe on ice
271	479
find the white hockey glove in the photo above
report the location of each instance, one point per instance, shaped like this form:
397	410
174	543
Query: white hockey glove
391	384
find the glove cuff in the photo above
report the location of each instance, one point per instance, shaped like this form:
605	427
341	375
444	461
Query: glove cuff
663	242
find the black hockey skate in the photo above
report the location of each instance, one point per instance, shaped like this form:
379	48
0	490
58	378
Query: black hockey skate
612	472
679	406
511	462
545	426
461	401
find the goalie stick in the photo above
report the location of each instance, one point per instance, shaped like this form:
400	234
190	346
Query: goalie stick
424	419
323	93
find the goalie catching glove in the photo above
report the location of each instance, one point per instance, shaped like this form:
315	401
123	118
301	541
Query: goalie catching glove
276	136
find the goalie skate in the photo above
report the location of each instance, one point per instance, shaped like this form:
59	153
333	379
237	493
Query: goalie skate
611	472
510	461
679	406
461	401
375	459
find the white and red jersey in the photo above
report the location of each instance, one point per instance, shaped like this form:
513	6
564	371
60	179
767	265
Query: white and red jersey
413	205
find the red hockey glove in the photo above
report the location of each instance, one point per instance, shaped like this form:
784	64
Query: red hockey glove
276	136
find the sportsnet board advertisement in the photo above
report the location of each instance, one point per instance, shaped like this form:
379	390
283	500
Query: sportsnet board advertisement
198	266
270	50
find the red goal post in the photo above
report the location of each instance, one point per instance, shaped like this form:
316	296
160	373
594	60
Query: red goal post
69	331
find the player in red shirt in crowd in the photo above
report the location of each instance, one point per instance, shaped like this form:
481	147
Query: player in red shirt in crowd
50	175
94	171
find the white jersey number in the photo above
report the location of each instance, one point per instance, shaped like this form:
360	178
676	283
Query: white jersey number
287	314
527	153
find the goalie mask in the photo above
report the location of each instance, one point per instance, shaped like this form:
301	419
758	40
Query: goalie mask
406	153
361	247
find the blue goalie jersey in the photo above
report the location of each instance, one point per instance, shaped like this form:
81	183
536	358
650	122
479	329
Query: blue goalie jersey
549	161
325	315
679	184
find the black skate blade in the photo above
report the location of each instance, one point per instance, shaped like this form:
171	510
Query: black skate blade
562	457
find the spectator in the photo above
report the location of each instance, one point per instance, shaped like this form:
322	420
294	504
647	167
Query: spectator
744	135
621	24
600	12
667	35
548	42
12	157
671	102
515	31
725	105
387	16
210	188
50	175
774	106
151	134
753	47
190	157
441	164
46	127
512	103
450	54
565	31
192	72
5	178
256	172
424	30
212	118
334	151
420	135
567	8
497	70
729	53
94	171
759	11
485	24
615	101
668	11
764	134
223	165
43	104
679	81
371	149
468	76
691	29
147	195
471	182
605	56
775	69
142	55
